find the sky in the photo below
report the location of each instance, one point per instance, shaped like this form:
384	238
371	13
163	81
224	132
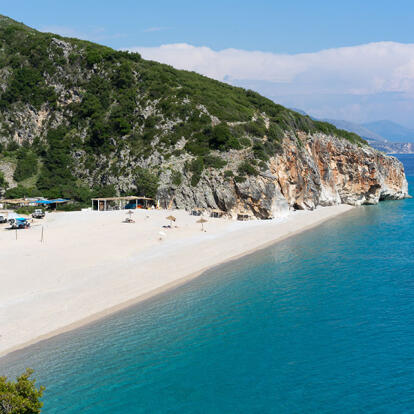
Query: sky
350	60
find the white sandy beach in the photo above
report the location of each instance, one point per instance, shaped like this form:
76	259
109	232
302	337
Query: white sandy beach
91	264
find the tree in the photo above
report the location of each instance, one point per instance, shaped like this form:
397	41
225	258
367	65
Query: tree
22	396
26	165
146	183
3	182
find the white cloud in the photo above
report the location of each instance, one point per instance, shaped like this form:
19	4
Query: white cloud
365	69
353	83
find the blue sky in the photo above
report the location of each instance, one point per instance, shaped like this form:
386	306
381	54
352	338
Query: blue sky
277	28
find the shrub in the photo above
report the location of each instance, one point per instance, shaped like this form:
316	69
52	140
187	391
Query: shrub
245	168
260	151
27	210
245	142
221	138
196	167
256	128
12	146
20	192
214	162
239	179
176	178
76	206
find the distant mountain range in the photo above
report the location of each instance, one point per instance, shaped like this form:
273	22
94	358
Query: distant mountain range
391	131
386	136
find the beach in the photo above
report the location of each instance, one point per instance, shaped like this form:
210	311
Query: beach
91	264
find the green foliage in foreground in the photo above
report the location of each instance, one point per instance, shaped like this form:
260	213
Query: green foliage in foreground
20	396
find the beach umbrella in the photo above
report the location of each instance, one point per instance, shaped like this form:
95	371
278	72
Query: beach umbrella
130	212
161	234
202	221
171	219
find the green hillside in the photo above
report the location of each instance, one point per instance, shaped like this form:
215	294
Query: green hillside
84	114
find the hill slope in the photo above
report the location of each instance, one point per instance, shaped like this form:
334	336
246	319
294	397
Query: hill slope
79	119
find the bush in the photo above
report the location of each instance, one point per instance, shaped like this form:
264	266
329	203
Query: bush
245	168
256	128
27	210
245	142
239	179
12	146
221	138
21	396
71	206
21	192
260	151
214	162
176	178
196	167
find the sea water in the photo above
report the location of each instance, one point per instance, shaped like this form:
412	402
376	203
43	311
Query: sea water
320	323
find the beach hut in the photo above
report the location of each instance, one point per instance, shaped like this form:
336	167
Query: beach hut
15	202
119	203
51	203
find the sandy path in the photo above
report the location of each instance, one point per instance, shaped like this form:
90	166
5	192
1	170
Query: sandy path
91	264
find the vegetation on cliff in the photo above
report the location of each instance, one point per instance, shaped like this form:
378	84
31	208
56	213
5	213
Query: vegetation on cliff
90	119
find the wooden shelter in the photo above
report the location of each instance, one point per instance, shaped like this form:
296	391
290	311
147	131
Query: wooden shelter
119	203
16	202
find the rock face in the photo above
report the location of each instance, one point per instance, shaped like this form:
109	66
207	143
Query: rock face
319	170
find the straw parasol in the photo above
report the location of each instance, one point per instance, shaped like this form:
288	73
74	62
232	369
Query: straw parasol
171	219
129	219
202	221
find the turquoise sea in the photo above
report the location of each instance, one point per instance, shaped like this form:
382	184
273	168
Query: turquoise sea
320	323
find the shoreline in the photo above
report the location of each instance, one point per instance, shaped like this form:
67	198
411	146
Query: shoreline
308	220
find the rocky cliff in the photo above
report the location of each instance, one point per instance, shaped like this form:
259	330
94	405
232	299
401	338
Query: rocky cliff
321	171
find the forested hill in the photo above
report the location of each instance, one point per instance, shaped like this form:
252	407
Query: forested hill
79	119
